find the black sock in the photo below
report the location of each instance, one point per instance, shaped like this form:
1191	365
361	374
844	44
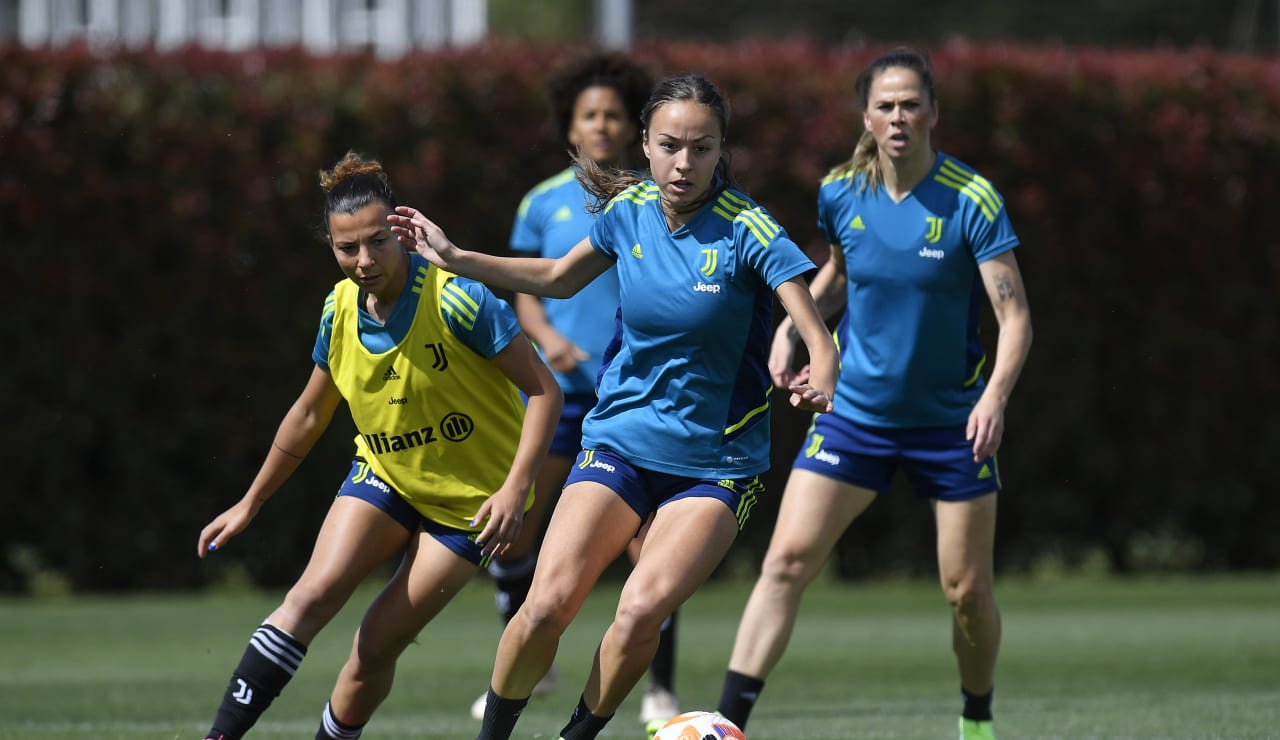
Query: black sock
583	725
977	707
738	697
332	728
500	716
512	581
662	671
268	663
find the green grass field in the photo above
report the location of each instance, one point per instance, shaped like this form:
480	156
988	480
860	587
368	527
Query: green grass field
1150	658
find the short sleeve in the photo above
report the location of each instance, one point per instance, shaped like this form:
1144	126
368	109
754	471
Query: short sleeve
481	320
320	352
526	232
989	236
766	248
600	236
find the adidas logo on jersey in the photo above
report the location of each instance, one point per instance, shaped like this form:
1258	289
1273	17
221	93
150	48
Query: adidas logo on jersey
390	374
701	287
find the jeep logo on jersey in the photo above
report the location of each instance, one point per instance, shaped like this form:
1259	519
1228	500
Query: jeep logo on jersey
456	427
711	257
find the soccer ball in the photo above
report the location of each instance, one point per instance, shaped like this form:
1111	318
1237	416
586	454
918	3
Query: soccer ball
699	726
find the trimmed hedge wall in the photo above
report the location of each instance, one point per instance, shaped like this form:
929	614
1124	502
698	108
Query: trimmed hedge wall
167	284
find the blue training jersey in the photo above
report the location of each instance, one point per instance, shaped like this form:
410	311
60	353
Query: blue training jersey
552	219
909	346
481	320
685	385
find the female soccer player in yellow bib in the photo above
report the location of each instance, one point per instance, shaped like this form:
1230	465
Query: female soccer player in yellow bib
432	366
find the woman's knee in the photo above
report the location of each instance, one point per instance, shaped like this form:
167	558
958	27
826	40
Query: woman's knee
969	597
548	611
375	652
788	567
309	606
640	616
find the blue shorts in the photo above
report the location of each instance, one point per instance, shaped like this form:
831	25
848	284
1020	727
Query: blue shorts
568	438
361	483
937	460
645	491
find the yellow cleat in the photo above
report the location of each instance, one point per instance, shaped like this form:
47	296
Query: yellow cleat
972	729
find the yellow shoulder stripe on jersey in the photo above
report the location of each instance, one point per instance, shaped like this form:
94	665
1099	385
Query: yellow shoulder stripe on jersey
640	193
732	208
971	184
980	184
760	224
836	176
554	181
726	208
326	313
977	371
418	279
459	305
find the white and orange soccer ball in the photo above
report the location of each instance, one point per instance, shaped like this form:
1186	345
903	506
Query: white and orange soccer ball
699	726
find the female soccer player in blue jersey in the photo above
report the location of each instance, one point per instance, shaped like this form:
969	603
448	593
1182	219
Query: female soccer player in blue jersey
596	100
680	433
431	366
916	236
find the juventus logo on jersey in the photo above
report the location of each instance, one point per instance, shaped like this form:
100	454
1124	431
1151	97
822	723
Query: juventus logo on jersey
439	360
935	229
711	257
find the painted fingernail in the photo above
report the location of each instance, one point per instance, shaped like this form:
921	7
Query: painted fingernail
213	546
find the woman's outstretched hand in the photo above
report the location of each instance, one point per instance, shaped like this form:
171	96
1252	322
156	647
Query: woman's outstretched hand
809	398
420	233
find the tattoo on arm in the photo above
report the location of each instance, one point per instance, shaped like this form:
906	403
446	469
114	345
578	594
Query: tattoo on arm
1004	287
290	454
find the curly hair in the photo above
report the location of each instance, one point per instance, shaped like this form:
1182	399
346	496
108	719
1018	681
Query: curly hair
628	78
353	183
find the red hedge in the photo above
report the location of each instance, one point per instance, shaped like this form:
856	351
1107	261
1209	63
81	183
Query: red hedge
160	209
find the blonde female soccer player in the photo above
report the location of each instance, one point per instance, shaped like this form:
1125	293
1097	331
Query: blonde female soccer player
917	239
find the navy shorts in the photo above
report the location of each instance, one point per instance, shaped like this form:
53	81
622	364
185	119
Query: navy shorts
568	438
938	461
363	484
645	491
